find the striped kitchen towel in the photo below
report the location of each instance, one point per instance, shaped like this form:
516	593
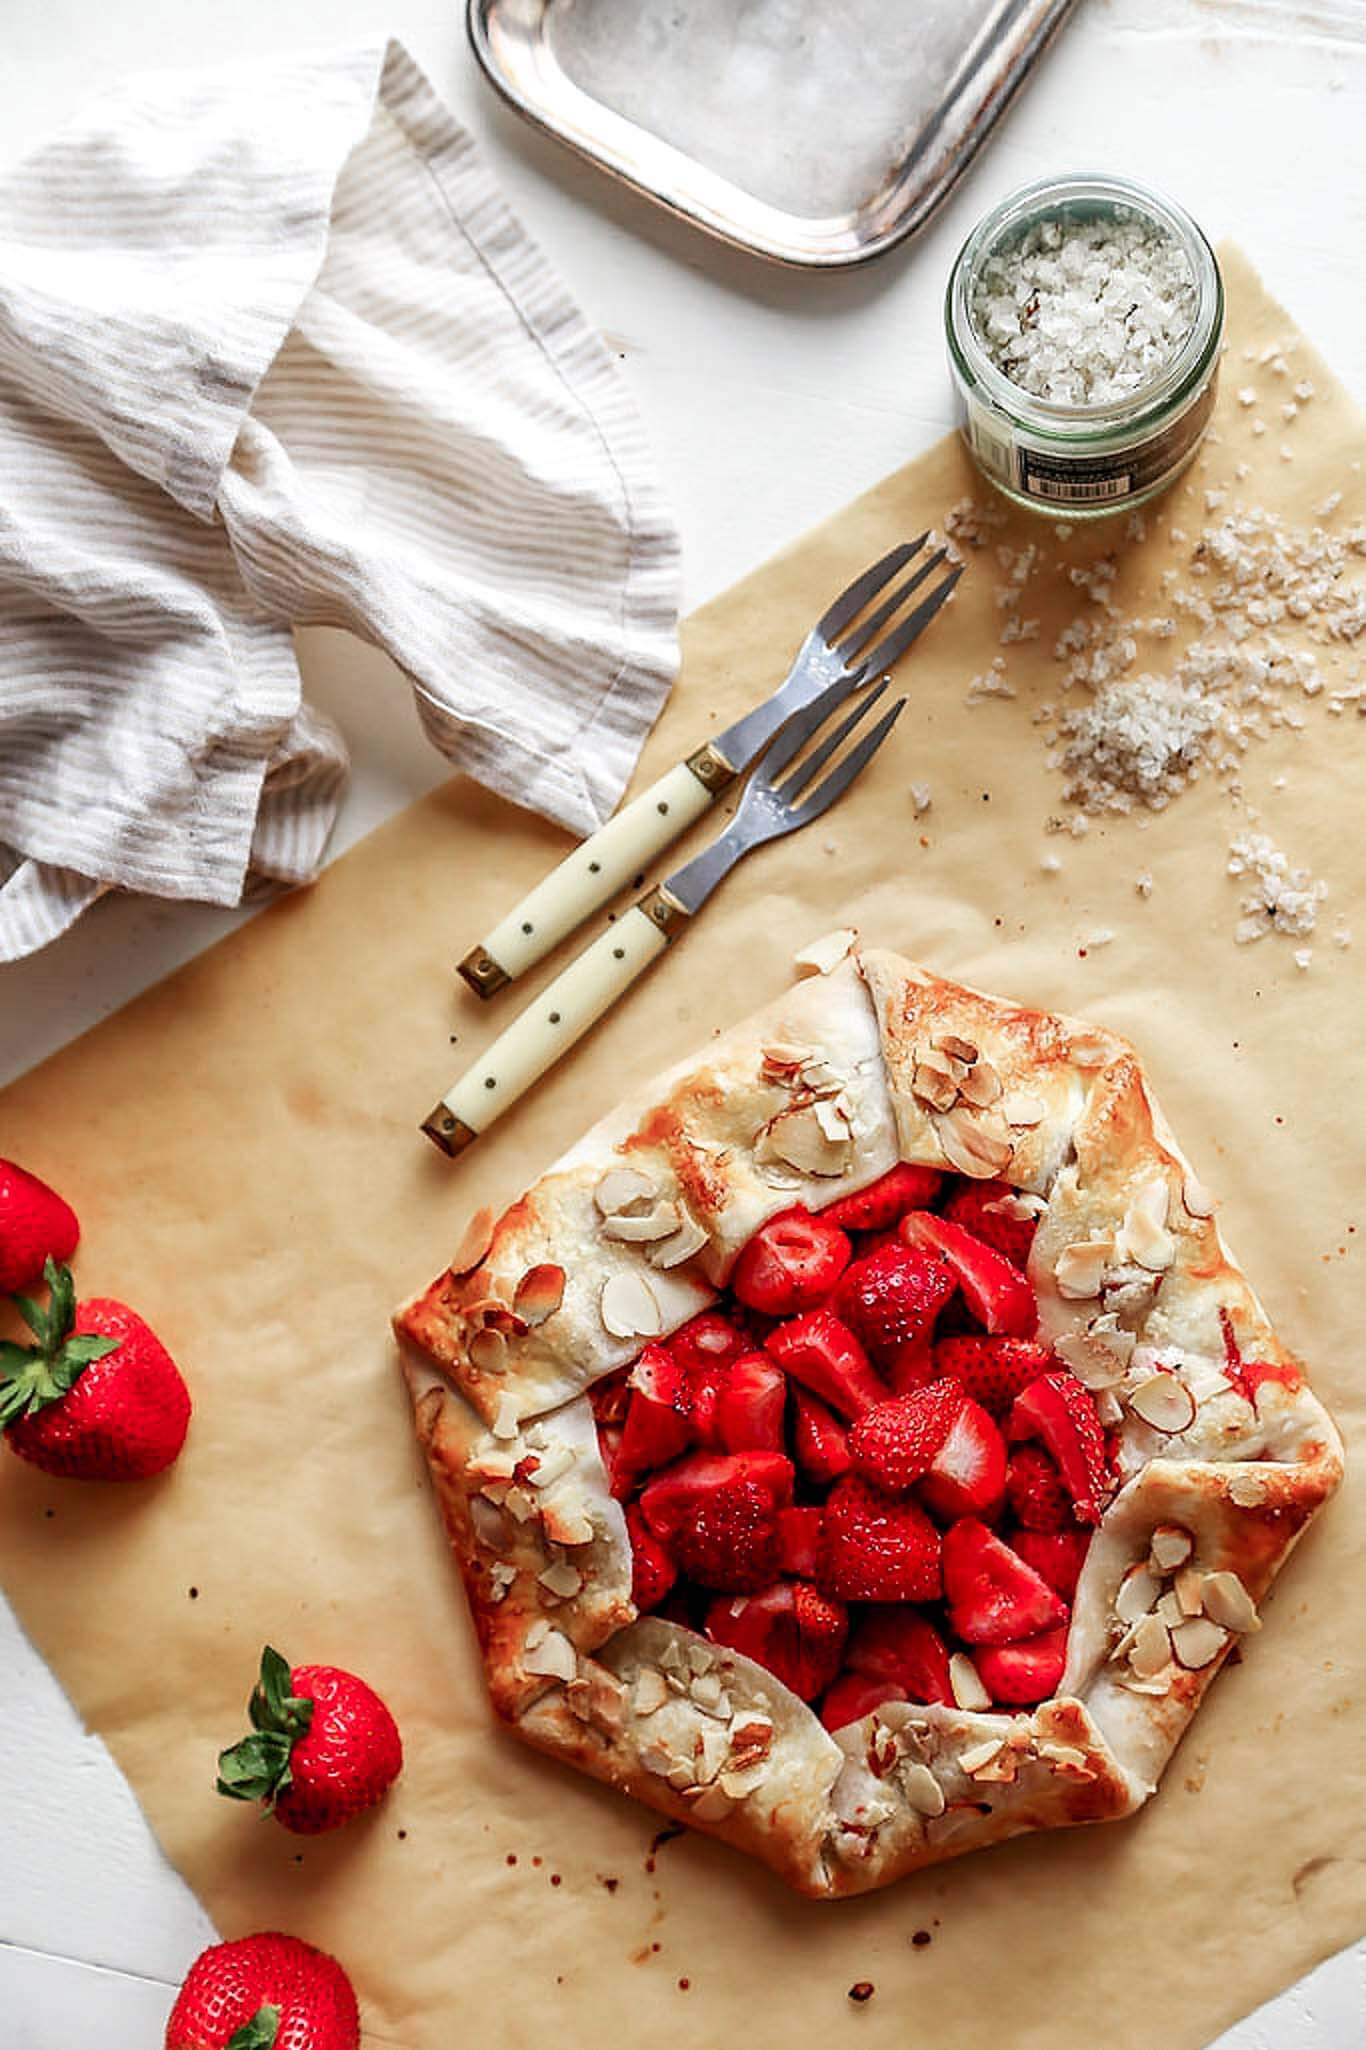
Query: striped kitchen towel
273	350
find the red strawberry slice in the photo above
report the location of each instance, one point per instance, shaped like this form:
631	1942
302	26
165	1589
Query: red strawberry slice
609	1398
1018	1674
824	1355
659	1415
967	1475
852	1697
620	1479
993	1370
790	1264
914	1367
898	1644
890	1299
993	1596
674	1495
996	1293
800	1531
902	1188
819	1440
750	1405
893	1444
36	1225
971	1205
730	1542
1057	1556
1061	1412
653	1572
792	1629
1035	1491
876	1549
707	1344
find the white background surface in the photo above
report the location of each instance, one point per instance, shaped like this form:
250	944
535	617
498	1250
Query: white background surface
771	398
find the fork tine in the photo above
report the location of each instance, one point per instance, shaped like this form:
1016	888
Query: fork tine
806	772
792	738
858	758
852	601
899	639
868	630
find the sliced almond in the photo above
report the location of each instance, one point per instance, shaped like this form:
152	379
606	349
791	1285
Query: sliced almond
1247	1488
643	1227
1022	1108
491	1526
709	1694
1197	1198
1079	1270
501	1577
620	1188
1228	1602
672	1252
713	1804
981	1085
832	1115
1138	1591
658	1759
1151	1649
1197	1642
1170	1610
709	1753
785	1058
820	956
921	1788
488	1351
1068	1757
539	1293
966	1684
1144	1236
1189	1589
978	1755
956	1047
551	1465
1170	1547
504	1423
935	1084
1021	1205
1164	1402
740	1781
561	1579
553	1657
1092	1358
629	1307
681	1775
649	1692
475	1242
976	1143
799	1140
568	1523
1109	1408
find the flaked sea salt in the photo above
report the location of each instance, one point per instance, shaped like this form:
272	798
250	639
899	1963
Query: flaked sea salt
1281	898
1085	313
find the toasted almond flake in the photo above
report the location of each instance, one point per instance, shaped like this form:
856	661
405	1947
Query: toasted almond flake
981	1086
1089	1053
1067	1756
1022	1108
488	1351
681	1776
1151	1649
785	1057
709	1753
965	1683
1079	1269
1198	1641
1109	1408
1093	1361
539	1293
629	1307
708	1693
713	1804
658	1759
798	1138
921	1788
521	1503
501	1577
672	1252
1133	1685
1197	1198
491	1461
1170	1610
1021	1205
643	1227
561	1579
1227	1601
976	1143
620	1188
699	1659
978	1755
1144	1236
491	1526
1137	1593
649	1692
956	1047
832	1115
474	1243
1189	1590
821	1078
504	1423
820	956
1247	1489
935	1085
1170	1547
673	1658
740	1781
553	1657
1164	1402
552	1465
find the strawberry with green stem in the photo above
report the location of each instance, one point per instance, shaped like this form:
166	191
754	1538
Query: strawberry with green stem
267	1992
323	1747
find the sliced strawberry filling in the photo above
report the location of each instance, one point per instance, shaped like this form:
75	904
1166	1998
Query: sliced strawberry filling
863	1459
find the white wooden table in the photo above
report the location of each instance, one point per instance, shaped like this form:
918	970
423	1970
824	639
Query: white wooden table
771	398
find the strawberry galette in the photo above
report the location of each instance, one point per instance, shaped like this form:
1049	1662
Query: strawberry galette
866	1450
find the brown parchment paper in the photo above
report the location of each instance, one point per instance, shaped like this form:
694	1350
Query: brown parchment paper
242	1145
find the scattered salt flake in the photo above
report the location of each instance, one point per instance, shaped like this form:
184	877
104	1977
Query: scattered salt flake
1143	883
1051	865
992	684
1303	956
1248	395
1099	936
1304	391
1282	899
921	800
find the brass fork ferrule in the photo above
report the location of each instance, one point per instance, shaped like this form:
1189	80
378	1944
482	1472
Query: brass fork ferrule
484	975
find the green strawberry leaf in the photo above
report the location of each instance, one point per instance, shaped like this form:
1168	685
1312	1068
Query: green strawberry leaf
84	1347
33	1376
61	1303
33	1315
257	1768
257	2034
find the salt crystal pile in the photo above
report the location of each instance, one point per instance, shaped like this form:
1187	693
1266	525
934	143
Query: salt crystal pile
1085	313
1282	898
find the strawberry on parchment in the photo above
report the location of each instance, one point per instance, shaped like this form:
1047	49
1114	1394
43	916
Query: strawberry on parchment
323	1747
267	1992
36	1225
98	1397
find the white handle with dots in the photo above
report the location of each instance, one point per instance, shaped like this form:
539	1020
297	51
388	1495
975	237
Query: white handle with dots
585	880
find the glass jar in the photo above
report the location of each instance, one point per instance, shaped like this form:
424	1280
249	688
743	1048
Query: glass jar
1084	461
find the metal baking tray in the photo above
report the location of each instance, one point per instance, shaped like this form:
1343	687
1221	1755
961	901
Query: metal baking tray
816	134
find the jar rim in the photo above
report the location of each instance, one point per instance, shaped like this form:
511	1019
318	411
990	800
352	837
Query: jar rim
1035	201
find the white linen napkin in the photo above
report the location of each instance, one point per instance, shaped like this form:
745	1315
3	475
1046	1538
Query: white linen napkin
273	350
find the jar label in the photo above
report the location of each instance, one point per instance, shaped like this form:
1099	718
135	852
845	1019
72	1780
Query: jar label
1058	477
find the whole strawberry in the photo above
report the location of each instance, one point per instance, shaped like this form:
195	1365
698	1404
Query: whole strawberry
264	1993
35	1225
98	1398
323	1747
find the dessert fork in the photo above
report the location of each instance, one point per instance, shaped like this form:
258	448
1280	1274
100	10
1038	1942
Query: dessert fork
774	803
839	648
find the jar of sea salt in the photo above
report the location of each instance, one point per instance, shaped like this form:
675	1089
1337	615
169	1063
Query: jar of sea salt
1084	321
